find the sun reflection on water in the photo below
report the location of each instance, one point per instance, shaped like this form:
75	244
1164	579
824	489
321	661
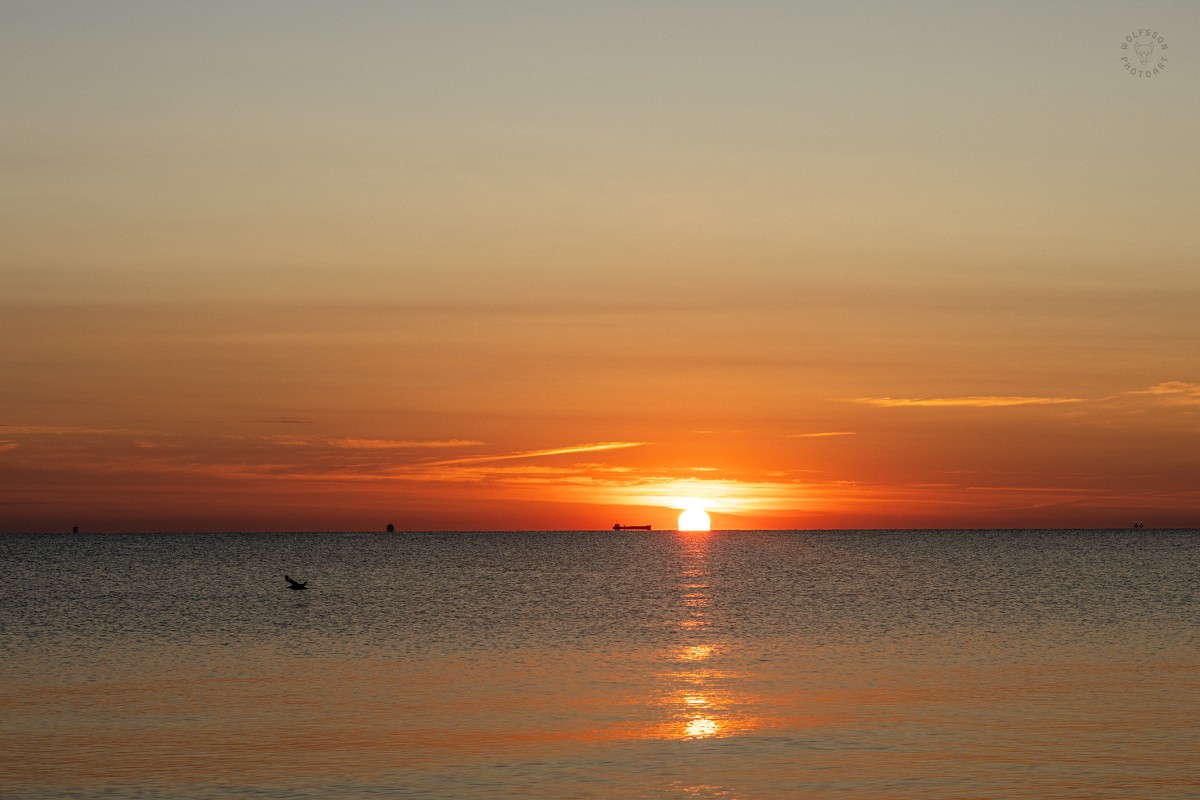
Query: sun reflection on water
697	695
701	727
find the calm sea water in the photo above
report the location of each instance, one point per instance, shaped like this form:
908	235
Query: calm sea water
740	664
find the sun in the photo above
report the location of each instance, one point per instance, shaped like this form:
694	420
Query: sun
694	519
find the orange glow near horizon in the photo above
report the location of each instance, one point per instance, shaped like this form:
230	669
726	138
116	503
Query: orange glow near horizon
308	475
302	456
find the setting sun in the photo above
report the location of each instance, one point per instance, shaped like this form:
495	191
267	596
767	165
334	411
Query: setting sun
694	519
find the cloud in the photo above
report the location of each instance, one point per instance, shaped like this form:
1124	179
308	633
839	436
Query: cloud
295	440
58	430
593	467
1177	392
821	435
1173	393
287	441
1037	489
286	421
146	444
7	445
558	451
970	401
727	495
402	444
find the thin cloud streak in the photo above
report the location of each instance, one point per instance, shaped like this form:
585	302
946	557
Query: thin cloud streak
1178	392
969	401
821	435
582	448
293	440
403	444
62	430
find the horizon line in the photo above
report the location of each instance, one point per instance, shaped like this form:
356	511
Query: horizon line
585	530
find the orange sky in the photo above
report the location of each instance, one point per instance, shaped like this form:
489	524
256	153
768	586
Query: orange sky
464	267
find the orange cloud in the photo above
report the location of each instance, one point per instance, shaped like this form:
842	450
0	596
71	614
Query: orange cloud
970	401
1178	392
403	444
730	495
821	435
60	430
293	440
558	451
7	445
146	444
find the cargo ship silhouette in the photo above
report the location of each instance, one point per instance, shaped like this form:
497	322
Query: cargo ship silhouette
619	527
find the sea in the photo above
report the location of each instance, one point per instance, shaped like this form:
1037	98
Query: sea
976	664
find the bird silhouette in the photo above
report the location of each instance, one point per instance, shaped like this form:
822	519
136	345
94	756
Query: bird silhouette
295	584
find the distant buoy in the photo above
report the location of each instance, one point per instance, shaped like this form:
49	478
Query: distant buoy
391	528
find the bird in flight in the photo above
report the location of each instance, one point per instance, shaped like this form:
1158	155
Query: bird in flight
295	584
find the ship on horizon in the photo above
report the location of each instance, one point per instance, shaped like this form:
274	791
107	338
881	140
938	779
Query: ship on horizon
619	527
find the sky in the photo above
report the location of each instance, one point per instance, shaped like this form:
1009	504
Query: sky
526	265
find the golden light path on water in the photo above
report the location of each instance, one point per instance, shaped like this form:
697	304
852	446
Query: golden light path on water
701	702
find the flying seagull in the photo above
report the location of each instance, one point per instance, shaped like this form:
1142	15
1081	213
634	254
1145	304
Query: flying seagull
295	584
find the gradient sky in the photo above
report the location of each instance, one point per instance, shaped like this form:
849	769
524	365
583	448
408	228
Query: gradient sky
309	266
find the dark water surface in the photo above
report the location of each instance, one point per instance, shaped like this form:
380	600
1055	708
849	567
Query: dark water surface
737	664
